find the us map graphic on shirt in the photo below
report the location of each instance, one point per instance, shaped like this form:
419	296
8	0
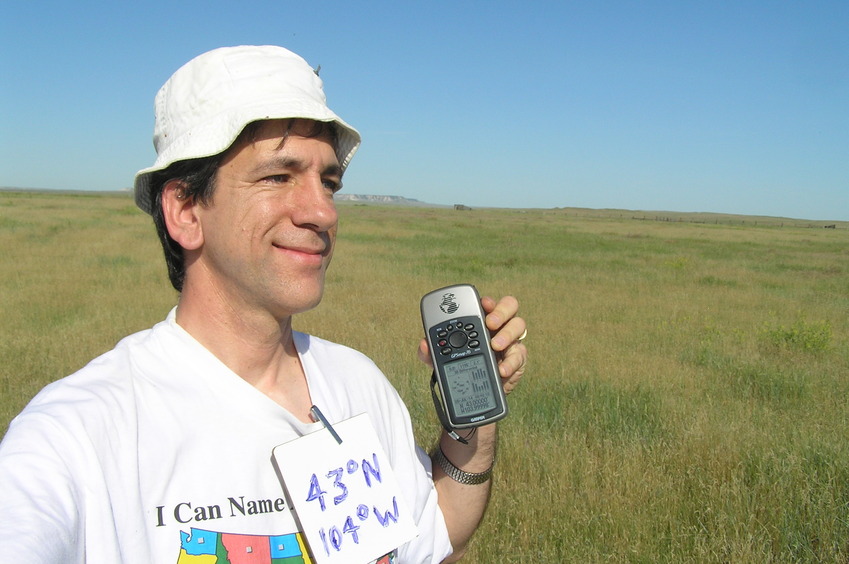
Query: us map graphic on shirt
210	547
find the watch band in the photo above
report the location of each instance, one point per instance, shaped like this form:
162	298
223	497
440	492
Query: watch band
458	475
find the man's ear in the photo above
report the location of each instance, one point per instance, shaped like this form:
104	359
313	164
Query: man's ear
180	213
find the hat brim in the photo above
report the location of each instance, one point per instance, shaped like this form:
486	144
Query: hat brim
207	141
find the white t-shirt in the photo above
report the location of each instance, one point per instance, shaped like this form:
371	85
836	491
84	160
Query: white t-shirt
157	452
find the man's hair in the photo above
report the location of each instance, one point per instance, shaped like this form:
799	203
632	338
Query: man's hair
197	177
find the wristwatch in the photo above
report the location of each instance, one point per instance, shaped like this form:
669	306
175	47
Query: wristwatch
458	475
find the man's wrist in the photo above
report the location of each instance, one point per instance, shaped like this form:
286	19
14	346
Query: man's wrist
458	475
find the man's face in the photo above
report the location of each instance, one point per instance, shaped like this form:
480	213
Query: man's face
269	232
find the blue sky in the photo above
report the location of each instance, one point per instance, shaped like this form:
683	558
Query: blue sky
732	107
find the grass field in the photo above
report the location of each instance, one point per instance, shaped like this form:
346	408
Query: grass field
686	399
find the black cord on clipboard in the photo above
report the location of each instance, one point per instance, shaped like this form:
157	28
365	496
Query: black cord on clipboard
317	415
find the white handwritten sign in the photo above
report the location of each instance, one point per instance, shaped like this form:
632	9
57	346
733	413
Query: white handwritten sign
346	496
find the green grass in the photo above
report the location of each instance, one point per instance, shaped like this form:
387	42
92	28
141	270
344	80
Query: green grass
686	395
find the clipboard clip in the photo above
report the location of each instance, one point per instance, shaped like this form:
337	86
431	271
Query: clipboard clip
317	416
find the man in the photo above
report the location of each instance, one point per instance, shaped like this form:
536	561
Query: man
160	450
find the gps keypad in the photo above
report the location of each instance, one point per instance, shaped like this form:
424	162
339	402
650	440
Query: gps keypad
458	335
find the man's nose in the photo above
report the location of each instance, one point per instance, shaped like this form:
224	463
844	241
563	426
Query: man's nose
314	206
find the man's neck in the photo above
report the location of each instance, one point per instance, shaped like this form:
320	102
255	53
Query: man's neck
253	344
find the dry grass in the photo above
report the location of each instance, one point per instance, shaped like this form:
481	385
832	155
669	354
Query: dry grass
686	397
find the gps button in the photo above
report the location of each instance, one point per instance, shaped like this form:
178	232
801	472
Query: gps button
457	339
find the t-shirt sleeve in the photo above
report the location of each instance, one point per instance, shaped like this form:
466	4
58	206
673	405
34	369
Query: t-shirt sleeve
39	500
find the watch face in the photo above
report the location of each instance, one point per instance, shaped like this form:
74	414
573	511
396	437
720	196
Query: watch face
469	386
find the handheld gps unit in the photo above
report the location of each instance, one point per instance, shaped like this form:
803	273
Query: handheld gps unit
465	373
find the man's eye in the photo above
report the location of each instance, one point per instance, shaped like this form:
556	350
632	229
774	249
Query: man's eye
277	178
332	185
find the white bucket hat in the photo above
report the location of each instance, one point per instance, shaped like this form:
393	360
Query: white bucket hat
207	103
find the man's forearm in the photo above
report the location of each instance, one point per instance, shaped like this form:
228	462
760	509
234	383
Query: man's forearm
463	505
